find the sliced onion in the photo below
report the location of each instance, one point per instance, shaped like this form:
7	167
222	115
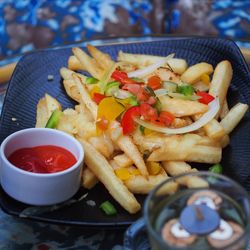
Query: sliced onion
160	92
122	94
151	68
214	107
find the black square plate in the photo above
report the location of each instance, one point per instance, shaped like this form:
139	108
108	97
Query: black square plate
30	82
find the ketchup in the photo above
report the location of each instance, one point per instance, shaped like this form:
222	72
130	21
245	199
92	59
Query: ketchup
42	159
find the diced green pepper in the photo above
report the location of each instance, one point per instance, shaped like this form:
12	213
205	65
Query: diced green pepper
186	90
91	80
111	87
133	101
54	119
216	168
108	208
142	129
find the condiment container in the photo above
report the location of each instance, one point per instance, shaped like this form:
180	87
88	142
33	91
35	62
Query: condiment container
40	188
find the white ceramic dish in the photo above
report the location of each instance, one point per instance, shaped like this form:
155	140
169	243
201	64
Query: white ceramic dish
35	188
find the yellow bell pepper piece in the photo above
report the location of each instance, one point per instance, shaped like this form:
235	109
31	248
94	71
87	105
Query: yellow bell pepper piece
109	108
95	89
148	131
134	171
154	168
205	78
122	173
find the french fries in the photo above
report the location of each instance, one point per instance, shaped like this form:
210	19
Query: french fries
104	172
123	160
103	60
89	180
136	162
233	117
74	64
126	144
180	108
176	64
193	74
221	80
201	154
141	185
88	63
85	97
45	107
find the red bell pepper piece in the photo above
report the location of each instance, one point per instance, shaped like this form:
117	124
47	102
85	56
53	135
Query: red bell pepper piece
205	97
127	122
154	82
97	97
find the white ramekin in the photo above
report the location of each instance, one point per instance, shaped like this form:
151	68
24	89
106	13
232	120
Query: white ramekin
35	188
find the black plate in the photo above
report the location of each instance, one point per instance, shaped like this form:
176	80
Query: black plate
29	83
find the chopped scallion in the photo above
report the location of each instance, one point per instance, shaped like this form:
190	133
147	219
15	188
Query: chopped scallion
91	80
108	208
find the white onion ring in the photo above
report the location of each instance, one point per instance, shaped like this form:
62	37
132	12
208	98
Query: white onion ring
151	68
214	107
160	92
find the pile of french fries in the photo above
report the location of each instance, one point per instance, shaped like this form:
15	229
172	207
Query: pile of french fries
111	151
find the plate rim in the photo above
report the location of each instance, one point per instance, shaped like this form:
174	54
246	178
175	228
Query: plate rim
108	225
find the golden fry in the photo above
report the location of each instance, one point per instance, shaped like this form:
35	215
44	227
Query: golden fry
224	109
180	108
103	60
127	145
202	154
74	64
141	185
233	117
45	108
123	160
221	80
193	73
89	180
85	97
177	65
88	63
104	172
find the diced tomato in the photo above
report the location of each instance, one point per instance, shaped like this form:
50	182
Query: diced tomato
129	81
154	82
142	95
119	75
127	122
97	97
205	97
102	123
132	88
122	77
151	100
166	118
149	113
